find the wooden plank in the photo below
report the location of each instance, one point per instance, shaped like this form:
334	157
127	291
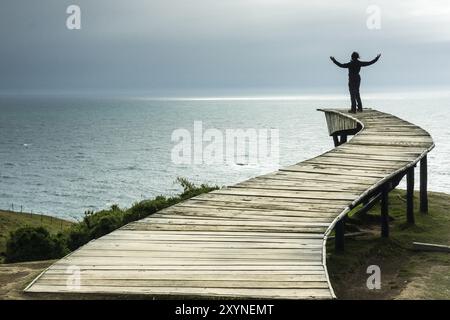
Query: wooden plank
422	246
61	266
325	169
203	234
197	227
231	212
210	240
424	145
222	254
405	133
117	261
244	217
255	207
382	158
350	159
208	292
189	276
392	139
356	163
299	186
287	194
261	238
282	180
380	150
204	255
269	202
304	275
199	245
302	176
226	222
239	203
193	283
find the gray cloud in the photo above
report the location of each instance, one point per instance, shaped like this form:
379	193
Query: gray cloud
170	46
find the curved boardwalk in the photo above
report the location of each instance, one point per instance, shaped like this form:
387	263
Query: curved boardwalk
262	238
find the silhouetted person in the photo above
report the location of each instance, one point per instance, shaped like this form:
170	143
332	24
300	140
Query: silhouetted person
354	79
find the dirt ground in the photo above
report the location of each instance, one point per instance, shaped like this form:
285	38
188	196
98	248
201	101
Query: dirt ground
15	277
404	274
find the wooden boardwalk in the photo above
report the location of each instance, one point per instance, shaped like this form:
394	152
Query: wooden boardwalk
262	238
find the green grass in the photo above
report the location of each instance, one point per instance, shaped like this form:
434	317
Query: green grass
10	221
422	274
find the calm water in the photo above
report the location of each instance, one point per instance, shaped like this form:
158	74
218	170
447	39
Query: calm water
63	156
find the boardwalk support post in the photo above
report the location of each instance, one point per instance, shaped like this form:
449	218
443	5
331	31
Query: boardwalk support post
385	212
335	140
423	185
339	230
339	139
410	195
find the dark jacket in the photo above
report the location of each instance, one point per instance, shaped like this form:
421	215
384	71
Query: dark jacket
354	67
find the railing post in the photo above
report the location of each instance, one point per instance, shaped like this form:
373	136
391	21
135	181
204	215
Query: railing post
339	231
335	140
385	212
410	195
339	139
423	185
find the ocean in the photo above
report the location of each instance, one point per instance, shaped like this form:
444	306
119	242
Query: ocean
65	155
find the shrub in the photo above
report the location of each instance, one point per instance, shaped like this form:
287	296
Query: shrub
105	224
34	243
191	190
94	225
77	236
145	208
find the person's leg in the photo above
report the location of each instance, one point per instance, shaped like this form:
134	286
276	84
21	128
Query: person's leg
352	97
358	99
358	96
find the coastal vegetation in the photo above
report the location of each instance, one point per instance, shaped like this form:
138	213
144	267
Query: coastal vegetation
11	221
34	243
38	242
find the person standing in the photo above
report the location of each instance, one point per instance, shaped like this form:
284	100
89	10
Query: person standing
354	79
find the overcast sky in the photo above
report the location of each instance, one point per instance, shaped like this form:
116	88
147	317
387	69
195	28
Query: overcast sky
207	47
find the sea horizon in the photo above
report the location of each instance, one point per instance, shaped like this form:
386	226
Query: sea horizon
327	93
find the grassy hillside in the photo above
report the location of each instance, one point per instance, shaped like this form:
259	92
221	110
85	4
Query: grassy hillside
405	273
10	221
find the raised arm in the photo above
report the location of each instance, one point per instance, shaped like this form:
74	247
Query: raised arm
368	63
341	65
